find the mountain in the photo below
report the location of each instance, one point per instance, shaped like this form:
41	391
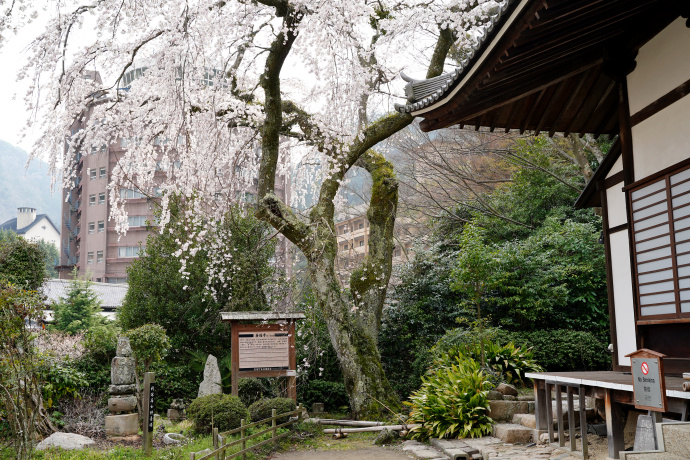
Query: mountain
30	187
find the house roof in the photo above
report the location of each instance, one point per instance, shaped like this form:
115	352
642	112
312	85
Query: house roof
110	295
544	66
12	225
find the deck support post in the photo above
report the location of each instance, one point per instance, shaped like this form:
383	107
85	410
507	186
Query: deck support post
540	403
614	425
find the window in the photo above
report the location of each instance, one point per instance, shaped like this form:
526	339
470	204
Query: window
128	193
101	226
89	258
128	251
361	225
92	200
101	198
92	227
101	173
137	221
361	243
99	257
116	280
396	253
660	221
93	174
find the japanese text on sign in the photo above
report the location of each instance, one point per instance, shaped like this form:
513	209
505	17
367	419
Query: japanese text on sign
264	351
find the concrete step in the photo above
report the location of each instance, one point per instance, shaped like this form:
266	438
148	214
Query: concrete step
527	420
512	433
504	410
423	451
455	449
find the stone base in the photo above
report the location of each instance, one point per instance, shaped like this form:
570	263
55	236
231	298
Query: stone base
122	404
122	425
175	415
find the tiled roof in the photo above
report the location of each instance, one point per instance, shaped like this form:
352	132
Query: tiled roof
423	93
111	295
12	224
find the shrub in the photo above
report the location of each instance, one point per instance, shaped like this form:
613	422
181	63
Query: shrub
174	381
452	402
221	411
563	349
262	408
149	344
331	394
507	361
61	379
251	390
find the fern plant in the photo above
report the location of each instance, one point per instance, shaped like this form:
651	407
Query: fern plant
452	403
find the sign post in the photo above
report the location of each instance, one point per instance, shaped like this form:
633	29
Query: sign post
265	347
649	385
149	404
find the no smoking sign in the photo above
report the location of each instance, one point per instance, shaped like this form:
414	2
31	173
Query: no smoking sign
645	368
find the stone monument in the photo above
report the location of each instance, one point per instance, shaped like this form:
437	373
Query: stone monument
123	419
177	412
211	385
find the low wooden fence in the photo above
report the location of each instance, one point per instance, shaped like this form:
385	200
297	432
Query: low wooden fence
221	444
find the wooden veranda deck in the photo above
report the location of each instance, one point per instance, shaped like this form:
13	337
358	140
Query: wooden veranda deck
615	388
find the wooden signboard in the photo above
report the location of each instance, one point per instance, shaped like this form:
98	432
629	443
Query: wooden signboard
649	385
266	349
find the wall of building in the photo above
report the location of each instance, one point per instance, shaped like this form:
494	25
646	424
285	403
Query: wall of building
48	234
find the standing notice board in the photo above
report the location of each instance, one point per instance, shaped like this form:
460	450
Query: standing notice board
263	345
649	385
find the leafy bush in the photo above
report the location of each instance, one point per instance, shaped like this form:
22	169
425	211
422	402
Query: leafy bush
331	394
262	408
452	402
61	379
101	342
508	361
221	411
563	349
174	381
251	390
149	344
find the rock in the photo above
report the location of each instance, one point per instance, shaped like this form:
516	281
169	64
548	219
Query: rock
386	436
509	398
317	408
528	420
122	404
506	389
544	437
508	432
122	389
173	439
67	441
178	404
494	395
122	371
123	347
122	425
525	398
422	451
504	410
211	385
175	415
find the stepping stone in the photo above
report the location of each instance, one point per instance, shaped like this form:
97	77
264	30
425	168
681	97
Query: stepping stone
512	433
455	448
528	420
67	441
423	451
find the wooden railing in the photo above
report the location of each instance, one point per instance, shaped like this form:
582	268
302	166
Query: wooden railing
221	444
569	390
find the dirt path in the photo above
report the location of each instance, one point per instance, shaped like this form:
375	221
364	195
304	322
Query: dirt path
372	453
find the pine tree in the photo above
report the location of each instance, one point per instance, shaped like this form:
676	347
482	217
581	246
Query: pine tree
79	310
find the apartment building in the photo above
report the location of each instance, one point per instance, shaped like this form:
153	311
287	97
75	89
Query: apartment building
89	240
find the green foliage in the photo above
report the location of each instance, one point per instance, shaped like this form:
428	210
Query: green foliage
61	379
22	263
221	411
507	361
419	310
563	349
331	394
101	342
452	403
262	408
158	292
251	390
80	309
149	344
174	381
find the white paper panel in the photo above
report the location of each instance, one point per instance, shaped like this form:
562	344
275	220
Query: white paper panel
684	295
655	243
664	252
657	197
682	212
681	200
656	265
658	310
684	283
683	247
657	298
678	189
661	219
656	209
656	186
652	232
681	224
656	276
680	177
683	271
682	235
685	307
657	287
682	260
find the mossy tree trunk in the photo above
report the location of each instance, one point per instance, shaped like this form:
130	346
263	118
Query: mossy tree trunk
353	325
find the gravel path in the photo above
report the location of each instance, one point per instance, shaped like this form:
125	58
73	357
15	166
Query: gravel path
373	453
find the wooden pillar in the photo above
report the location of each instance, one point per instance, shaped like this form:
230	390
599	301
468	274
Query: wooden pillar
149	382
235	356
614	425
292	353
540	404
